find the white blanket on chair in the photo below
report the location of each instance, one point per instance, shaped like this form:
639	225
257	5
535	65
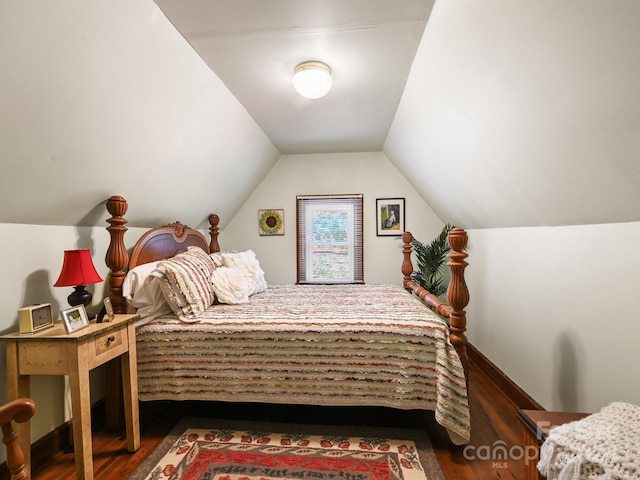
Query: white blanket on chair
604	446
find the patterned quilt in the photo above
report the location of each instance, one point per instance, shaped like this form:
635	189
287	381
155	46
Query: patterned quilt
373	345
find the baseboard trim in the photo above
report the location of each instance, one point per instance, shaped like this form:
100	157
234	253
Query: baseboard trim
58	440
515	394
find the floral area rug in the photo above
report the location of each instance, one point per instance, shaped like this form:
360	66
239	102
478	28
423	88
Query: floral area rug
206	449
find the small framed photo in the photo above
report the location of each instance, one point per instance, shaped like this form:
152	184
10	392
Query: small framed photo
75	318
108	308
390	216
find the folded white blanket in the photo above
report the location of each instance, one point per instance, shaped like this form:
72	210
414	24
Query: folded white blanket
245	263
230	285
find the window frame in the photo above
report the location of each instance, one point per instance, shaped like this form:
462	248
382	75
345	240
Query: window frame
306	204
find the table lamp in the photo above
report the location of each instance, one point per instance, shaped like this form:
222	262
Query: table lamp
77	271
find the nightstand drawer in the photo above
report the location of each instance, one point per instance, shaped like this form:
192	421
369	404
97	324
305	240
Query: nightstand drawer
44	358
110	345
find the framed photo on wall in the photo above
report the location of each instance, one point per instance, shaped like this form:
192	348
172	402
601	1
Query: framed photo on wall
390	216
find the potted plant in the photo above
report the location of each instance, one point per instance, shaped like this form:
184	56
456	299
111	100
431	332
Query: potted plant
430	262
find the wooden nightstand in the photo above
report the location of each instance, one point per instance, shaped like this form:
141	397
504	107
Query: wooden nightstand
537	425
54	352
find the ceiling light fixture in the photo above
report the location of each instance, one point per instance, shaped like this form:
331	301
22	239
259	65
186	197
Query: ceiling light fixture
312	79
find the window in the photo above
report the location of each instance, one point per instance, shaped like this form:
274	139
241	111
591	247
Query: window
330	239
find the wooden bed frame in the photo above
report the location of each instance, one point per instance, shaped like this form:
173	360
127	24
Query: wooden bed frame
171	239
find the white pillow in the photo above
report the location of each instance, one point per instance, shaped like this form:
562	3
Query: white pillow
246	262
143	293
230	285
136	278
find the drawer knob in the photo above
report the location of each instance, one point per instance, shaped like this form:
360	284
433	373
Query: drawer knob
110	340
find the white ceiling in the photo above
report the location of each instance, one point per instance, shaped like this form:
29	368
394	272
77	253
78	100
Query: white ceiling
254	45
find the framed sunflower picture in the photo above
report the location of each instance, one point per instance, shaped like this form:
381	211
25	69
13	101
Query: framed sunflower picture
271	222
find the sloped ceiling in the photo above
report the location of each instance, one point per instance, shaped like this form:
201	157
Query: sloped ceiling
254	46
513	113
524	113
106	98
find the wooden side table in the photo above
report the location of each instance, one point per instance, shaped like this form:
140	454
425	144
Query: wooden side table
54	352
537	424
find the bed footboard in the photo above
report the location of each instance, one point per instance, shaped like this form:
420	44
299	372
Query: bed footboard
457	293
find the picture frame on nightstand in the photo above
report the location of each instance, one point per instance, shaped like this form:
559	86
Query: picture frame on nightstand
108	308
75	318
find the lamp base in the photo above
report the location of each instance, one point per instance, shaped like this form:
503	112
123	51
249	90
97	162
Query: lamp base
81	296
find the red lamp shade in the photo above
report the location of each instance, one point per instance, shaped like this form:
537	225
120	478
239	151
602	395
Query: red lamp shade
77	269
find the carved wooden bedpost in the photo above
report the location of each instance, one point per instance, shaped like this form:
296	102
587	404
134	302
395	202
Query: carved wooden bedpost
117	257
458	294
407	266
214	246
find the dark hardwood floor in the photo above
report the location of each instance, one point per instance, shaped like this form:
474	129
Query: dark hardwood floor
494	424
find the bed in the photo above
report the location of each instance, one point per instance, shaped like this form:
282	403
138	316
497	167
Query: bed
338	345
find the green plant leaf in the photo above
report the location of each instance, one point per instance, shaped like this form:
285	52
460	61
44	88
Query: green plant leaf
431	261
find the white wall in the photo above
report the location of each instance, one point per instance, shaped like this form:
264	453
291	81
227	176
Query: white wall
556	309
368	173
31	259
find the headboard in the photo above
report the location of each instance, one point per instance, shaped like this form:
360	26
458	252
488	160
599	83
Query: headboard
156	244
165	242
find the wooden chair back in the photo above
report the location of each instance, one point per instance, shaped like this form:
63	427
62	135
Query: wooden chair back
20	410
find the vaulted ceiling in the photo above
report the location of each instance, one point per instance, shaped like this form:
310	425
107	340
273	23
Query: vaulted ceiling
254	46
506	114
